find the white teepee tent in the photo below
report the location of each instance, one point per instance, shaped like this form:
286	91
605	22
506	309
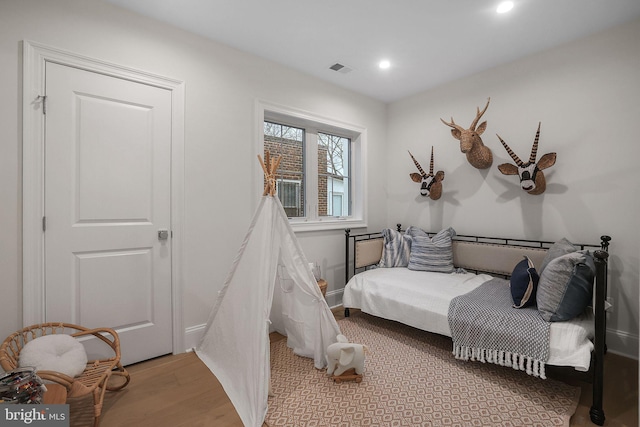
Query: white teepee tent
270	283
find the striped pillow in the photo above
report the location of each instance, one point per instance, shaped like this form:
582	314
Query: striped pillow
434	254
396	249
414	231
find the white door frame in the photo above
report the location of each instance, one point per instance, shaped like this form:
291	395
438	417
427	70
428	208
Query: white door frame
35	56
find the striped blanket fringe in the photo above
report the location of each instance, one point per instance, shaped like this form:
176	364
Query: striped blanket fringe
502	358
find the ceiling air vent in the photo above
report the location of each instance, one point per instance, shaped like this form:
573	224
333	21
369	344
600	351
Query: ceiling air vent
340	68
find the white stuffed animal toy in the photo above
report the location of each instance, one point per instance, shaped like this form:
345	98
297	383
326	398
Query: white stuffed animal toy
343	355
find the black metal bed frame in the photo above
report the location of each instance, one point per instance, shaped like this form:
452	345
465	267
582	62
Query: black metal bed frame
595	374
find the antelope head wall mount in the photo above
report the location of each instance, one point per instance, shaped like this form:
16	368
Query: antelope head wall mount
532	178
478	155
431	185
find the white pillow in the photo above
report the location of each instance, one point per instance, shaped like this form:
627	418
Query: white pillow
61	353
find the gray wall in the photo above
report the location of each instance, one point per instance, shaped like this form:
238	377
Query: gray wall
585	94
222	85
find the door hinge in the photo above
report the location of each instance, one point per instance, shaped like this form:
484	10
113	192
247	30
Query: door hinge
43	99
44	223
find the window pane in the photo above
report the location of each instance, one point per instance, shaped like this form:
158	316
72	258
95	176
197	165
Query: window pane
283	131
288	142
333	175
336	205
289	192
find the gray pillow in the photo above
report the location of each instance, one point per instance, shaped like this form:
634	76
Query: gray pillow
396	249
559	248
565	288
432	254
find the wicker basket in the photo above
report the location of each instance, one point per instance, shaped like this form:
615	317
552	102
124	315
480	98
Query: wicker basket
97	376
323	286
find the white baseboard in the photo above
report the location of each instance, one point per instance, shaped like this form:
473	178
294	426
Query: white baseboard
192	336
622	343
334	298
618	342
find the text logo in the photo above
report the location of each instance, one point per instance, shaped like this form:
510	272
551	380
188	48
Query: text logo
34	415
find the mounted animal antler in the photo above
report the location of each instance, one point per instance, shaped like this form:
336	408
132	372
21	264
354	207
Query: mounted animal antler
532	178
270	173
431	184
478	155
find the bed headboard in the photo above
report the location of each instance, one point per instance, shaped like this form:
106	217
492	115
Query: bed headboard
491	255
493	258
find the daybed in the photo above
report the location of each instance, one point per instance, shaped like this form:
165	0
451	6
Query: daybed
431	300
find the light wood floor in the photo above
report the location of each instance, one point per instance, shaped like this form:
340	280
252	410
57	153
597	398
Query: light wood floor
179	390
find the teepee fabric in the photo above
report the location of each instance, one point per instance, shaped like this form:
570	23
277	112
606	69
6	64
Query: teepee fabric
270	286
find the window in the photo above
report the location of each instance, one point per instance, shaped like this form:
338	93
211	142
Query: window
333	175
320	181
290	195
288	141
336	200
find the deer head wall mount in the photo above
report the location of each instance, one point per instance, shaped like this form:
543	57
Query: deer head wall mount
431	185
478	155
532	178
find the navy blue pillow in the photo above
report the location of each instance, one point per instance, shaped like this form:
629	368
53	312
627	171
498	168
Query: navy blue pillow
524	284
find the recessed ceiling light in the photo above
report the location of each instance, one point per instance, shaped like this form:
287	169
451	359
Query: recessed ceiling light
504	7
384	64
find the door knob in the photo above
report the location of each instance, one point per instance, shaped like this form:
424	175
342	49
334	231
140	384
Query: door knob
163	234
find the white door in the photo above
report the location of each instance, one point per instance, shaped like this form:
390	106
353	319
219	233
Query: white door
107	202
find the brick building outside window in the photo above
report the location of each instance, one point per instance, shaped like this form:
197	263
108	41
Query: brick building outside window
332	170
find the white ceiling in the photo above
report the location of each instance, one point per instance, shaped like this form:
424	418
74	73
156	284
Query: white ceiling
429	42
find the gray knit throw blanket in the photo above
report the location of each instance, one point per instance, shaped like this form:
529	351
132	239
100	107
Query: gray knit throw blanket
485	327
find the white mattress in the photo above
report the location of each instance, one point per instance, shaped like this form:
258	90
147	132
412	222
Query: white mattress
421	299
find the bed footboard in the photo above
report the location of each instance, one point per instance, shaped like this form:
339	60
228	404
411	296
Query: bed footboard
600	342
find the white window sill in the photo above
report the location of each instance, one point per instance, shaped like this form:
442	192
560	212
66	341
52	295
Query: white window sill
326	224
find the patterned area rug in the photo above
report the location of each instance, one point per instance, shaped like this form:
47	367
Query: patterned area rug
411	378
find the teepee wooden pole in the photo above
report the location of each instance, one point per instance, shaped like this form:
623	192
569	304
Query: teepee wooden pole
269	173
